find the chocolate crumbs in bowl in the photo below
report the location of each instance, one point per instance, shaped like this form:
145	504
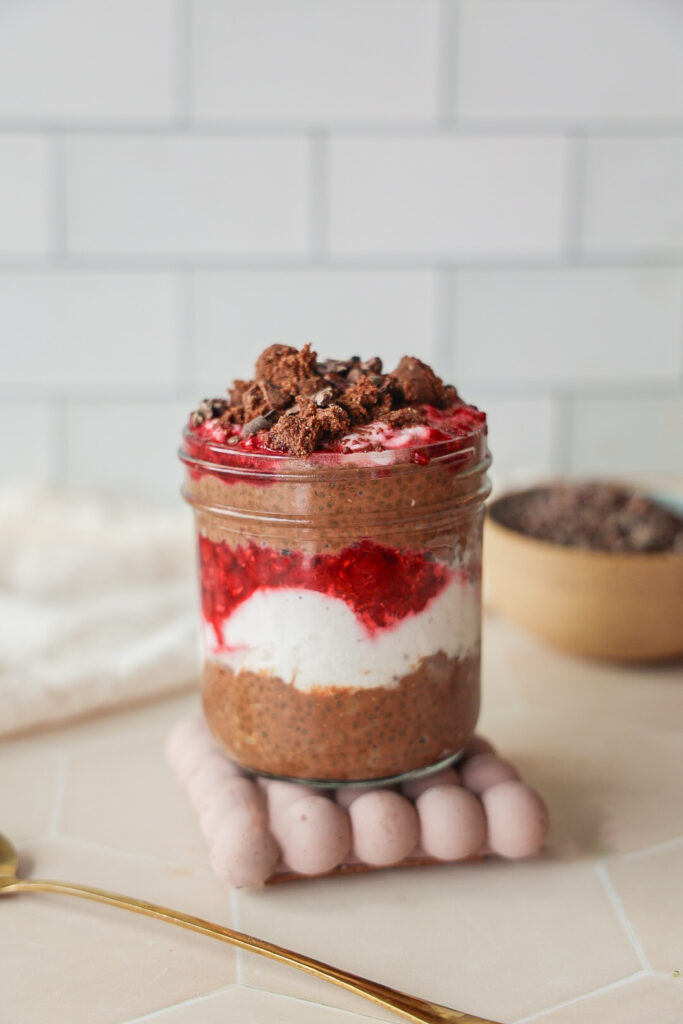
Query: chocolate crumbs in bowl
595	516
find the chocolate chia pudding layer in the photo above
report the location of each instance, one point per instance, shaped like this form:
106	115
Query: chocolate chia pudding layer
339	514
344	734
322	509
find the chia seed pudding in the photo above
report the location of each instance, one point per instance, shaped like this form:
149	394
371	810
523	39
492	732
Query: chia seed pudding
339	513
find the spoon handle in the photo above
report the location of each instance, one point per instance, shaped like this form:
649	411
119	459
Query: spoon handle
420	1011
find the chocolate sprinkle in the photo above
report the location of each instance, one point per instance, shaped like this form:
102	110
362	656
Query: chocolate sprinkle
254	426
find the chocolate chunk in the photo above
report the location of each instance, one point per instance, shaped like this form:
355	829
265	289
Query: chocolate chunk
418	381
309	388
335	380
255	401
450	395
286	367
372	365
360	401
235	414
262	397
401	418
218	407
324	397
297	434
209	409
351	368
305	426
276	398
256	425
237	390
336	366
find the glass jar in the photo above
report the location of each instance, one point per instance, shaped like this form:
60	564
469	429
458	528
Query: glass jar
340	606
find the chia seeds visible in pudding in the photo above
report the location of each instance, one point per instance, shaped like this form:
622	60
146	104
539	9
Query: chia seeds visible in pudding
339	511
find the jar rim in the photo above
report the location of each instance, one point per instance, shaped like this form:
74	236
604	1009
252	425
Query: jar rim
270	464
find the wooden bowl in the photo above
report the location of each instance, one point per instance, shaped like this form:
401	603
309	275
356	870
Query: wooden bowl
622	607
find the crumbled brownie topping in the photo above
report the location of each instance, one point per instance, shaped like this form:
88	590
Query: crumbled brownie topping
303	427
419	382
299	404
401	418
209	409
286	367
262	397
360	400
599	516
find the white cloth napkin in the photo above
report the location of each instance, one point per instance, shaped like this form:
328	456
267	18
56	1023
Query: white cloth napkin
97	605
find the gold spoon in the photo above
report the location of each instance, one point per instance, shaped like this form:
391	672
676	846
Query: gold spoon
420	1011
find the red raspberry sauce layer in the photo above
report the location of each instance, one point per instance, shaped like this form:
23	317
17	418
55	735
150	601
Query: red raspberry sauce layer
443	428
381	585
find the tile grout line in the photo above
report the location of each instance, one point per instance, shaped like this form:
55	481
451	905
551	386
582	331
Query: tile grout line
145	858
58	200
193	1000
205	997
666	844
618	906
319	188
415	126
301	1000
575	172
540	1014
134	262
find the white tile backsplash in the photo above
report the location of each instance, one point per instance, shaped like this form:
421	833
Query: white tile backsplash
371	313
570	327
66	332
126	446
187	196
306	61
522	432
25	195
447	196
634	195
495	186
629	434
579	60
30	449
68	60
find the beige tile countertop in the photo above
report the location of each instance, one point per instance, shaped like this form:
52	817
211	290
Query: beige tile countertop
591	932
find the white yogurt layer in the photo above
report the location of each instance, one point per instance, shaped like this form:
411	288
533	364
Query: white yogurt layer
383	434
312	640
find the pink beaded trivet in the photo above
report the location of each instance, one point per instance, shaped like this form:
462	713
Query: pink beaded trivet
261	830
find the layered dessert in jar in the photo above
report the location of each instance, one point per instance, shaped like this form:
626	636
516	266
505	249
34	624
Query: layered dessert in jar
339	513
